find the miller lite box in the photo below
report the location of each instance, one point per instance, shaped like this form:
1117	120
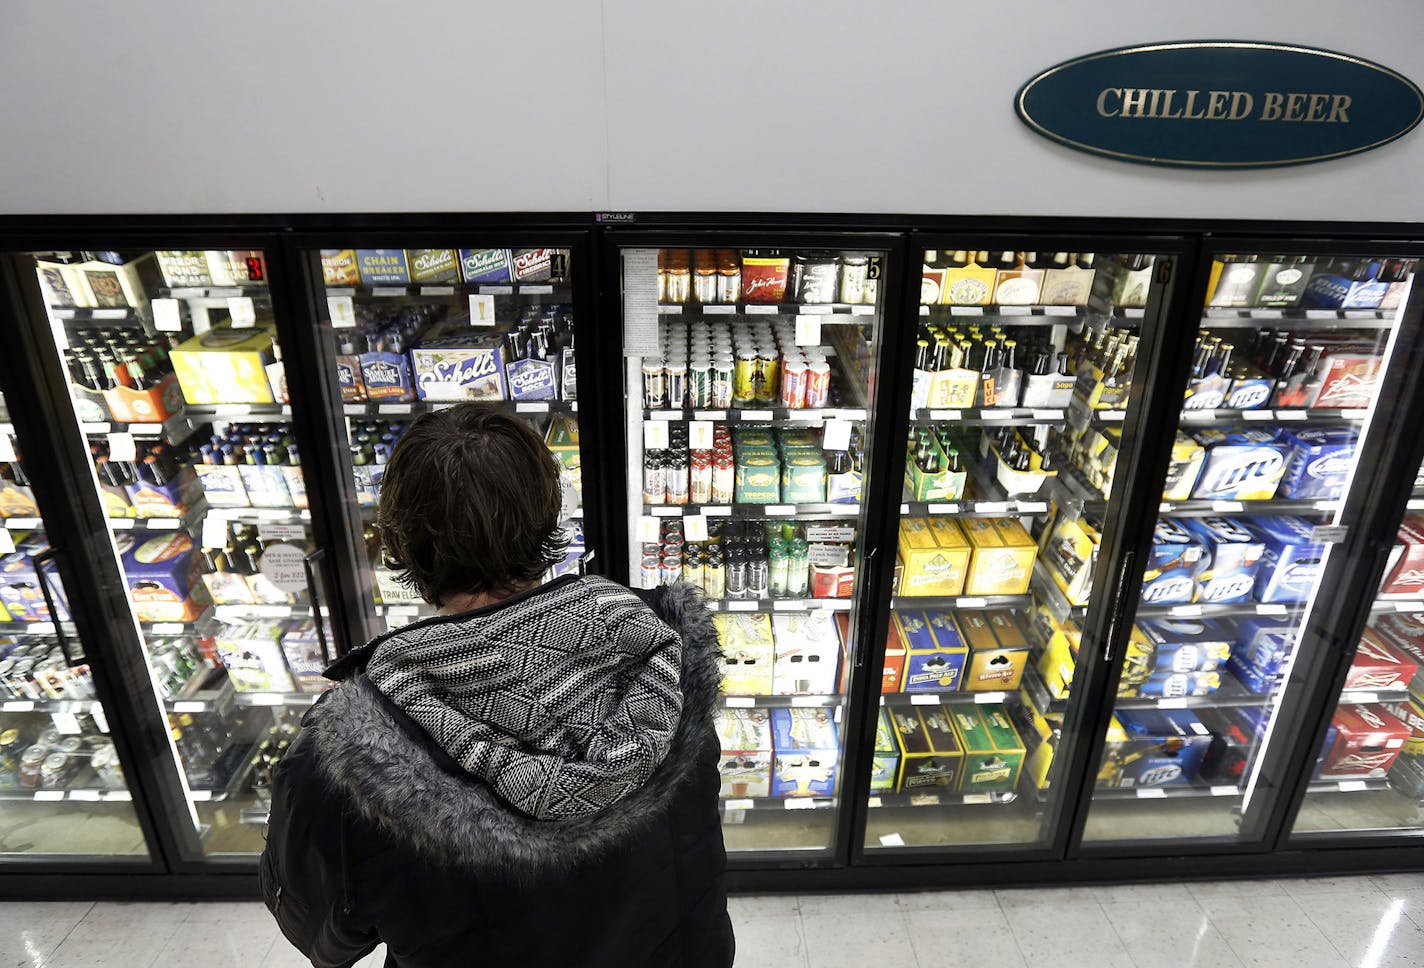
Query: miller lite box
1178	645
1172	564
1368	739
1264	642
463	364
1227	571
1318	462
1291	564
1153	748
1251	391
1405	575
745	765
805	753
1173	685
1379	665
1241	465
1260	678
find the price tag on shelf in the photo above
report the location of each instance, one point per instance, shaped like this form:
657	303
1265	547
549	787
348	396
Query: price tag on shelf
1048	415
393	408
891	840
1409	606
995	414
694	527
780	510
738	804
741	605
786	605
481	309
836	436
709	415
166	318
808	701
198	796
649	529
860	310
497	290
1033	507
992	507
265	698
124	795
1224	791
808	330
1358	698
760	310
1257	414
18	706
1060	310
971	602
1234	507
988	698
189	706
1014	310
537	289
799	803
66	723
1198	414
748	415
388	292
1271	610
281	532
243	313
875	803
1327	505
715	310
84	795
49	795
1173	702
114	313
1151	793
925	800
437	290
1290	415
655	434
740	702
946	414
699	435
536	406
167	628
966	310
924	699
342	312
7	448
1329	533
668	511
1186	611
1353	786
122	447
935	509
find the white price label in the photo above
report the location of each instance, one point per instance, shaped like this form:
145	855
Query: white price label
946	414
799	803
709	415
1033	507
1014	310
757	310
1186	610
995	414
1224	791
18	706
836	435
342	312
966	310
66	723
388	292
198	796
1257	414
166	318
649	529
785	605
7	542
437	290
1113	416
668	511
1151	793
892	840
537	289
481	309
924	699
393	408
265	698
936	509
189	706
122	447
780	510
808	330
808	700
717	510
1173	702
1353	786
537	406
1199	415
989	698
1228	506
167	628
1271	610
694	527
716	310
1048	415
757	415
655	434
84	795
740	702
497	290
49	795
972	602
699	435
1409	606
7	448
738	804
992	507
1290	415
1329	533
243	313
741	605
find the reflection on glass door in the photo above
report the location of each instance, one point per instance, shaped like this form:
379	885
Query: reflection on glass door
1023	363
413	330
750	372
177	378
62	789
1283	380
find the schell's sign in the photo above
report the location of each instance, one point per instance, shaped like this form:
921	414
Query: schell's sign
1220	104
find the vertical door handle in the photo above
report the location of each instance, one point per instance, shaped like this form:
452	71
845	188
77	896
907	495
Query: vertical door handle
861	606
585	561
1119	605
309	566
50	598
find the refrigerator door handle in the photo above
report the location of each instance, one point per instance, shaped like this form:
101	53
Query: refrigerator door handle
49	597
585	561
861	605
1119	605
309	566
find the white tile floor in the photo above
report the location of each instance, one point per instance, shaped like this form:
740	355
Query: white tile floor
1362	922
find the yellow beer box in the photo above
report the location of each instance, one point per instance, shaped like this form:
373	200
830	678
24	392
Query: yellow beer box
998	650
225	365
563	442
934	560
1059	657
745	735
1002	556
749	650
107	285
993	751
339	267
930	757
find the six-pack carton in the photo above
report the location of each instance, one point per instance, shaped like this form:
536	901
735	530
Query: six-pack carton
745	766
806	753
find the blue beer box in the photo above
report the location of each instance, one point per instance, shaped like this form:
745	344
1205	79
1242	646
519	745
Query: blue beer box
1259	678
1186	645
1241	465
1227	572
805	752
935	654
1164	747
1327	291
1261	641
460	365
1318	462
1172	563
1290	565
485	265
380	267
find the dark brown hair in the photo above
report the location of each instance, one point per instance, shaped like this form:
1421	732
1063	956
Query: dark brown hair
470	503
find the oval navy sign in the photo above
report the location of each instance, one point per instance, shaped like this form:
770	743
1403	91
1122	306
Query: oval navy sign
1220	104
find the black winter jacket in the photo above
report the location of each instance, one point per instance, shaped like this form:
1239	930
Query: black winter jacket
378	835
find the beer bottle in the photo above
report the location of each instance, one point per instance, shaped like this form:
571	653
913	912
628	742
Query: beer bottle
958	259
1084	260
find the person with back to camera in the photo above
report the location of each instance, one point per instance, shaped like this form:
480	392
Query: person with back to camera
529	777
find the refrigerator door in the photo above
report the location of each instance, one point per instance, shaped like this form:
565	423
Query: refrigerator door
405	331
750	369
1237	599
63	792
1021	376
176	371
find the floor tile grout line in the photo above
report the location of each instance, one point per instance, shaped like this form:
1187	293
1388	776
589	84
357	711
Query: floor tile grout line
1013	935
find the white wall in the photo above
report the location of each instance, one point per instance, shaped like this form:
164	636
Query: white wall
440	105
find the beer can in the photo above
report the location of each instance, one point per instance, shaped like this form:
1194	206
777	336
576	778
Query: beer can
854	269
671	569
793	384
744	381
692	570
818	384
699	384
723	377
714	576
31	762
651	571
704	286
676	384
766	375
700	484
654	480
724	478
106	764
54	770
651	548
655	391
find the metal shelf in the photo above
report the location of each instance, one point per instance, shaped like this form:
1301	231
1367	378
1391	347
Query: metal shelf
767	309
21	524
993	416
972	509
779	604
754	414
397	408
187	522
781	702
1200	509
231	410
1171	792
1311	416
77	707
928	698
93	795
778	803
1214	317
241	613
901	602
754	511
1207	610
562	291
288	699
102	314
1357	697
947	798
175	429
1030	315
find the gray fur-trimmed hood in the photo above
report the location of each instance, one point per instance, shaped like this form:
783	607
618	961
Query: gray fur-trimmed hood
395	777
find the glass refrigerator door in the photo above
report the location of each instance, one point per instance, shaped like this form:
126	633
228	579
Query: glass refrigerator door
749	373
413	330
176	374
62	790
1023	363
1283	382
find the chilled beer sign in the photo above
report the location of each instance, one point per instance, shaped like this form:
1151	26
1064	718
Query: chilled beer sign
1221	104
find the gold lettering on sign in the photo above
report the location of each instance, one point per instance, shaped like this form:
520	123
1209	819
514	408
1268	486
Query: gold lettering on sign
1160	102
1103	101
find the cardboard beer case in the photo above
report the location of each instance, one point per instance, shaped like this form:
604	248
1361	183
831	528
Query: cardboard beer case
1378	665
749	651
1368	740
929	758
993	751
934	658
252	653
885	761
807	657
806	753
998	650
745	766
